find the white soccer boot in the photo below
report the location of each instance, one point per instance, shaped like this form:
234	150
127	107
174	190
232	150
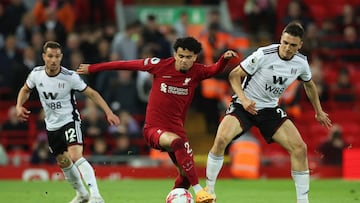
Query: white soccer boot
80	198
96	200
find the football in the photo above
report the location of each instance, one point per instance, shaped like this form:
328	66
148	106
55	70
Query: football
179	195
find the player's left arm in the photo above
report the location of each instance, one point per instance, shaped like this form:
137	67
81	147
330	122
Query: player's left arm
220	65
97	98
312	94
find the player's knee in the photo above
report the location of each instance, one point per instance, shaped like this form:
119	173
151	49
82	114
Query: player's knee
63	161
300	149
221	142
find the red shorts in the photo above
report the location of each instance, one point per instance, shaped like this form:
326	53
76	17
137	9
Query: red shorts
152	136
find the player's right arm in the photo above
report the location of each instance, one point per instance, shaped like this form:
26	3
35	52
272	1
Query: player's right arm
24	94
235	79
139	64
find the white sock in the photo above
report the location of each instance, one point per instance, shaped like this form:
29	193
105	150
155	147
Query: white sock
88	175
197	188
72	175
213	167
302	184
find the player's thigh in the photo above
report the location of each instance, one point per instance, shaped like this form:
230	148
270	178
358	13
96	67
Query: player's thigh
288	136
229	128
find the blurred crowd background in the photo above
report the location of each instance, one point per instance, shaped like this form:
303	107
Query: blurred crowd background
93	31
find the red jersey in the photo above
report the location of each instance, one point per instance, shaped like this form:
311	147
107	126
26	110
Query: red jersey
172	91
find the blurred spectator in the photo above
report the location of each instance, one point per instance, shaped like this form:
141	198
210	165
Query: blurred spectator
121	94
25	30
125	44
181	25
311	41
123	147
61	10
99	147
350	39
128	126
348	17
13	14
41	153
72	45
12	122
343	90
213	17
331	149
23	68
52	28
3	156
260	17
152	36
214	43
318	78
93	124
297	11
37	42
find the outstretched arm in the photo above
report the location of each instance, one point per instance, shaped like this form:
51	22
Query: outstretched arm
113	65
21	112
312	94
235	79
97	99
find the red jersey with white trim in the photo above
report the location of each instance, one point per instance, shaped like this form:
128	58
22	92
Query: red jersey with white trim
172	91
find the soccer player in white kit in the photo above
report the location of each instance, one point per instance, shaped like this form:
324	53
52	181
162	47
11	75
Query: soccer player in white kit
258	81
56	86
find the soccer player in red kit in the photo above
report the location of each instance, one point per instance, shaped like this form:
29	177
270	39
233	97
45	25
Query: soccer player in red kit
175	80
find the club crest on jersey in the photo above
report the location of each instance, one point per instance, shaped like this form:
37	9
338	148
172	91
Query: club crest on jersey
186	82
293	71
61	85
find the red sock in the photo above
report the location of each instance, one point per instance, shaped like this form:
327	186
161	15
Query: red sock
185	160
181	182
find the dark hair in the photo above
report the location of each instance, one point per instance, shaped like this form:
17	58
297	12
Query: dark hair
188	43
295	29
52	45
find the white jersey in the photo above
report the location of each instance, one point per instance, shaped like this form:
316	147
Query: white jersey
57	95
269	75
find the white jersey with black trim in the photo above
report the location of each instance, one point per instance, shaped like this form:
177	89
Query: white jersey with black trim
269	75
57	95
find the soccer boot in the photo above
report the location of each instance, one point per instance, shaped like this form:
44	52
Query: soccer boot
212	194
203	197
96	200
80	198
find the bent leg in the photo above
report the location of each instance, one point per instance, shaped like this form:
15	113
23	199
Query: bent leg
228	129
289	137
85	169
71	173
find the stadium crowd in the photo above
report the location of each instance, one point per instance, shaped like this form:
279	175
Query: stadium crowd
89	34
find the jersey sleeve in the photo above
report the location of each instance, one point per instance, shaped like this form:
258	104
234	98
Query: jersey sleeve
30	81
77	82
251	63
306	74
138	64
211	70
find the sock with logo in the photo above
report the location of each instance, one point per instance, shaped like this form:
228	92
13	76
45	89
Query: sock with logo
302	185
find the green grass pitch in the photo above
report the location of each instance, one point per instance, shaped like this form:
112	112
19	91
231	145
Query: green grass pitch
155	191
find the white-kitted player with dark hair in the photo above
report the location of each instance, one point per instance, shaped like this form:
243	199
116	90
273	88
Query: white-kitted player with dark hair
56	86
258	81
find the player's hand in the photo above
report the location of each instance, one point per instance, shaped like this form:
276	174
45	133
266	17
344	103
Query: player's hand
249	106
230	54
22	113
323	119
113	119
83	69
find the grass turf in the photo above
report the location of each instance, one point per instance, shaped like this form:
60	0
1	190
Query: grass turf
155	191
